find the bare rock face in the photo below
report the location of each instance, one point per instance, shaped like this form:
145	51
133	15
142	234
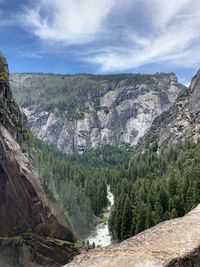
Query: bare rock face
24	207
182	121
23	204
117	109
174	243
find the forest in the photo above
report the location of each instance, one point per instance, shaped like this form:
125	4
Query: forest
148	187
155	187
78	183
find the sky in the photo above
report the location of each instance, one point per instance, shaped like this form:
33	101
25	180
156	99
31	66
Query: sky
101	36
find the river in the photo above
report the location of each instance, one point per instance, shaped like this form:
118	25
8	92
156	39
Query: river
100	235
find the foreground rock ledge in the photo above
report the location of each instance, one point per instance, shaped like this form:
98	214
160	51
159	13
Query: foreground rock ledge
172	243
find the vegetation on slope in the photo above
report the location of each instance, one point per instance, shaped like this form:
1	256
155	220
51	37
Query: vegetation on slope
155	187
148	189
78	182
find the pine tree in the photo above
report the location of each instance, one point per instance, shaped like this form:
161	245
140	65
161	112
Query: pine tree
141	219
126	219
118	220
149	217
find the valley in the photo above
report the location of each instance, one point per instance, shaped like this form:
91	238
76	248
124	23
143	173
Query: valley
99	133
150	198
104	192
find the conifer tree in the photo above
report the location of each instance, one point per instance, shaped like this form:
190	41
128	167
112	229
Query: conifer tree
126	219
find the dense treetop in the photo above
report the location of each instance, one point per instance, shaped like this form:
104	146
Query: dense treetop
155	187
78	183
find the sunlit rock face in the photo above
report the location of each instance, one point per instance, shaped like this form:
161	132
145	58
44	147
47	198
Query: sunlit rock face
174	243
181	122
117	108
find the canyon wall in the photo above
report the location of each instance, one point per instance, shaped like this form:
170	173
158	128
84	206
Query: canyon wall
80	112
29	220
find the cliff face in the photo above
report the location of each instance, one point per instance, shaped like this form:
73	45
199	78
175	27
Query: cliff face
105	109
182	121
24	207
174	243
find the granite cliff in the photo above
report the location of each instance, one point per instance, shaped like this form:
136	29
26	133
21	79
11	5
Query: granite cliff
83	111
30	223
181	122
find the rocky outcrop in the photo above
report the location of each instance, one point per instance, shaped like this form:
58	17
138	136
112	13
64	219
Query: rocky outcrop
174	243
181	122
119	108
24	207
31	250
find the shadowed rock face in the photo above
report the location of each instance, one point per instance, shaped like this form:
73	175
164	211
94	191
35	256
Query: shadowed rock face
181	122
117	109
23	204
24	207
174	243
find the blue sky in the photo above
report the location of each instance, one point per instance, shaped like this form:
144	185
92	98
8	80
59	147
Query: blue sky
101	36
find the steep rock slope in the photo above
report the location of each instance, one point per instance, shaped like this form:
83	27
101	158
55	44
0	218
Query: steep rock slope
82	111
174	243
24	207
181	122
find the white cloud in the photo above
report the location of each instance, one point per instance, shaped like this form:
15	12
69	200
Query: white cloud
173	30
164	11
67	21
175	38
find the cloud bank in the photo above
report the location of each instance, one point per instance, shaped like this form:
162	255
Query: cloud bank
118	36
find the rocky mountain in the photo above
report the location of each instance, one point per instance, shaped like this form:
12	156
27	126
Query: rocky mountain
181	122
30	224
79	112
